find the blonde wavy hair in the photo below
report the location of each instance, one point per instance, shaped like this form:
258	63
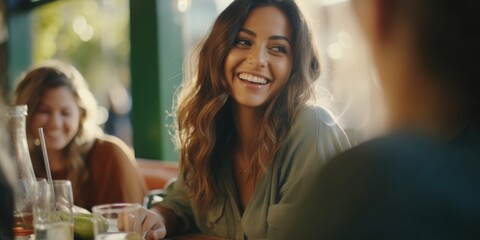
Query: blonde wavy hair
205	124
30	90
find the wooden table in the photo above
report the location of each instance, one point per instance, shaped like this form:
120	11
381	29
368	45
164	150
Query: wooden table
196	237
183	237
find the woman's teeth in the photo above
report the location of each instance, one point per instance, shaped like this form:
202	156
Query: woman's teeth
252	78
54	134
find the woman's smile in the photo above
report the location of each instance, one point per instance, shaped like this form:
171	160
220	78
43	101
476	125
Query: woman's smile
56	136
253	82
246	77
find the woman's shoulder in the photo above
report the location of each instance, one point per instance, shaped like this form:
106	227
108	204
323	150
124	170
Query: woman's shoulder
111	141
314	138
312	117
316	130
111	145
316	115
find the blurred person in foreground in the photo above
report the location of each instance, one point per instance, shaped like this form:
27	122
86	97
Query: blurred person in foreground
248	136
422	181
102	168
7	178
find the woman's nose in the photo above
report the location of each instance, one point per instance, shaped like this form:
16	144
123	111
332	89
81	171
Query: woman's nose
258	57
55	121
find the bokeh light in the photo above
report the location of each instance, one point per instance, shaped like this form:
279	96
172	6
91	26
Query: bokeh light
335	51
182	5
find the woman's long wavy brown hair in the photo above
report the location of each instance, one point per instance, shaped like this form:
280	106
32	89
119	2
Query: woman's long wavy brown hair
205	123
30	90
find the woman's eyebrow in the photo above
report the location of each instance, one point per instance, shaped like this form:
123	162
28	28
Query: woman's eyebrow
274	37
278	37
249	32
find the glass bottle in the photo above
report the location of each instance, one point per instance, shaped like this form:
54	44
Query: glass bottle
23	225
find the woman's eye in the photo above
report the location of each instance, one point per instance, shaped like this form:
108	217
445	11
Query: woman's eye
279	49
66	114
243	42
42	110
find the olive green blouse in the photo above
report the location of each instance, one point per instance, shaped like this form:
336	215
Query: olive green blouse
312	140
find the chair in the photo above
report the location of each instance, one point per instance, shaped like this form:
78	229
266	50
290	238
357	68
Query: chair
158	175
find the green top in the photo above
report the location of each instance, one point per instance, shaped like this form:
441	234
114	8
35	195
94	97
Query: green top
312	140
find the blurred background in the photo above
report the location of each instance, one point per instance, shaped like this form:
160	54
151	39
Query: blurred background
132	55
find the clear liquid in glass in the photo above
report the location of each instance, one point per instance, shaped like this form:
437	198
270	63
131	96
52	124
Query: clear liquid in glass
55	230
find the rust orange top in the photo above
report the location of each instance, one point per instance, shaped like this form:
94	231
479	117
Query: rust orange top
114	176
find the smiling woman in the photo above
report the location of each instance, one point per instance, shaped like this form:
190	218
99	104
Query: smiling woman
247	136
102	168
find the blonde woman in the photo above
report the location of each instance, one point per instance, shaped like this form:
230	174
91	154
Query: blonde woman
102	168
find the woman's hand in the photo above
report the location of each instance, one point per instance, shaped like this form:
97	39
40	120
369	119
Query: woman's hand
151	223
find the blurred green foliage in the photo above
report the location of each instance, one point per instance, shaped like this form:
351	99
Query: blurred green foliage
93	35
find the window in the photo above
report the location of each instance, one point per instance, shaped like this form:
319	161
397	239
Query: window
93	35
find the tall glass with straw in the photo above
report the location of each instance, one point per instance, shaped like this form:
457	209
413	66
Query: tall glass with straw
24	191
53	208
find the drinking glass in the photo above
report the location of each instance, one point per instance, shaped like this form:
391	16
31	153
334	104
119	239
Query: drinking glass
120	219
53	215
